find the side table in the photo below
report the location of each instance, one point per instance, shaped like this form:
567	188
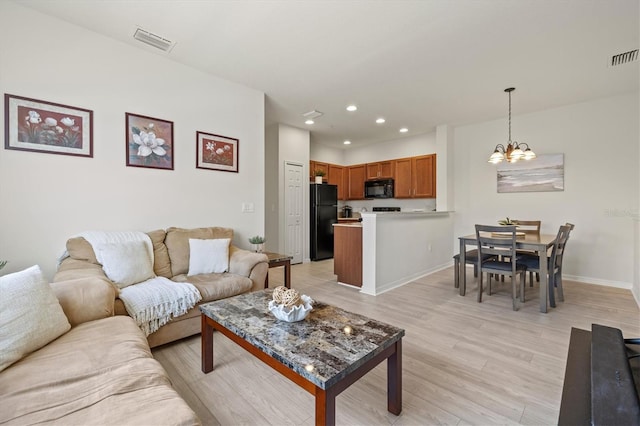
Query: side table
275	260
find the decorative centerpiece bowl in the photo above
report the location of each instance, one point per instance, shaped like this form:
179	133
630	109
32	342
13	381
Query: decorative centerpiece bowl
287	305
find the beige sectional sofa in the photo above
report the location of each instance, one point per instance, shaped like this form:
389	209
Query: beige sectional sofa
99	372
247	272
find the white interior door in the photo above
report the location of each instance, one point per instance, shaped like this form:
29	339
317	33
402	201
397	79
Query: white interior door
293	210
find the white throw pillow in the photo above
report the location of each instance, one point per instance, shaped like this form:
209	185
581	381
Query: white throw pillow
126	263
30	315
208	256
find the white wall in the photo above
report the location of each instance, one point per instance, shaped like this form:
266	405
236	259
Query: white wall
325	154
409	146
272	189
599	140
45	199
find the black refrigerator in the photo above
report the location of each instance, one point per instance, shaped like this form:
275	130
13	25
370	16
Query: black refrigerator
324	213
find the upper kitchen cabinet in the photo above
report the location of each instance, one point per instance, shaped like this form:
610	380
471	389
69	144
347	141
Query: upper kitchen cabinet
357	175
338	175
382	169
415	177
316	165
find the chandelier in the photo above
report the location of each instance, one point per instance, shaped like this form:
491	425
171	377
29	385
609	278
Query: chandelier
514	151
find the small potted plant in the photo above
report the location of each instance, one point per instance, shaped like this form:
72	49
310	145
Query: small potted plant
506	222
319	174
258	243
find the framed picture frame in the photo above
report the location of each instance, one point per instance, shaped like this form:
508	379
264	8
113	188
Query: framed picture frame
149	142
543	174
43	126
216	152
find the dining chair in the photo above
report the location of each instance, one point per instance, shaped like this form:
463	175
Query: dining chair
500	241
529	227
471	258
554	264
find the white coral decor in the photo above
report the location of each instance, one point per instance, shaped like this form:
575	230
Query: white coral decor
291	313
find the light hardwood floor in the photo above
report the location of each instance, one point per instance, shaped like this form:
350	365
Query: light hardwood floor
463	362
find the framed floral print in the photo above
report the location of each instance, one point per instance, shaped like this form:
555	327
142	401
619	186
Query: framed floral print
149	142
42	126
215	152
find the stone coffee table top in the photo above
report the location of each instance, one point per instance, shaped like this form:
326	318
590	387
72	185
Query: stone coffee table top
325	347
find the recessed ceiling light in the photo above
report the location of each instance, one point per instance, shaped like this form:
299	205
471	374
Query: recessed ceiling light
404	130
309	122
380	120
352	108
347	142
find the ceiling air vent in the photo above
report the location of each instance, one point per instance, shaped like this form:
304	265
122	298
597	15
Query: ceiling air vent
312	114
153	40
623	58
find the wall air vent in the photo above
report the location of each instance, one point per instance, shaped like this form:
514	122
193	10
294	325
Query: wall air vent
153	40
623	58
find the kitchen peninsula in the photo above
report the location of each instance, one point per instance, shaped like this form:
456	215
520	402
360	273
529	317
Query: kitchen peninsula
398	247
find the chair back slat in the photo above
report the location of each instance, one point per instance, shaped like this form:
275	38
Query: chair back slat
558	248
529	227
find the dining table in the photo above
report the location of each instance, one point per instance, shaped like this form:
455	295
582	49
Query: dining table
538	243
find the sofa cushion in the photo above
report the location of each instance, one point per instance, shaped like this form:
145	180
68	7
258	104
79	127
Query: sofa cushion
208	256
177	242
161	262
85	299
80	249
217	286
126	262
30	315
101	372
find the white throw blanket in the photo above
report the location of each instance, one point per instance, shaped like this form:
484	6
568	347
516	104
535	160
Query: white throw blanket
154	302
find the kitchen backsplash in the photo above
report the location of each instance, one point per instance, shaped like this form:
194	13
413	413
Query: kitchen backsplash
426	204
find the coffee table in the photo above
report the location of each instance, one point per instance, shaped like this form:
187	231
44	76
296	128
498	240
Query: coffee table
323	354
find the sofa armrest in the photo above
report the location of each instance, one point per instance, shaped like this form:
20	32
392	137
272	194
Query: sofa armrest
249	264
85	299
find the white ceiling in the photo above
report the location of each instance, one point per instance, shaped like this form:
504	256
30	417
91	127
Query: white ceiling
416	63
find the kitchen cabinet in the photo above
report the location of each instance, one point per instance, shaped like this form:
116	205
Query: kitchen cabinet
357	176
317	165
338	176
347	253
379	170
415	177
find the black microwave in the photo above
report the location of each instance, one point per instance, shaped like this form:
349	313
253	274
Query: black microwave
378	188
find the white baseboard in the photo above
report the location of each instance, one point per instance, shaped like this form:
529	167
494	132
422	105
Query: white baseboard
590	280
409	278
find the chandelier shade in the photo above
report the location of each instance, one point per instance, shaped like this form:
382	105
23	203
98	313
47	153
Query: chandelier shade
514	151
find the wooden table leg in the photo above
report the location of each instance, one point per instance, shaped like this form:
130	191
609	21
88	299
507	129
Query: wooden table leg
287	274
266	280
463	268
207	345
394	380
325	407
544	281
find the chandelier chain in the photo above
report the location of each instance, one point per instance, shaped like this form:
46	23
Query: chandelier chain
509	116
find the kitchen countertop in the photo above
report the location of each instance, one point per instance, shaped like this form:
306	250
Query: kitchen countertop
354	224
